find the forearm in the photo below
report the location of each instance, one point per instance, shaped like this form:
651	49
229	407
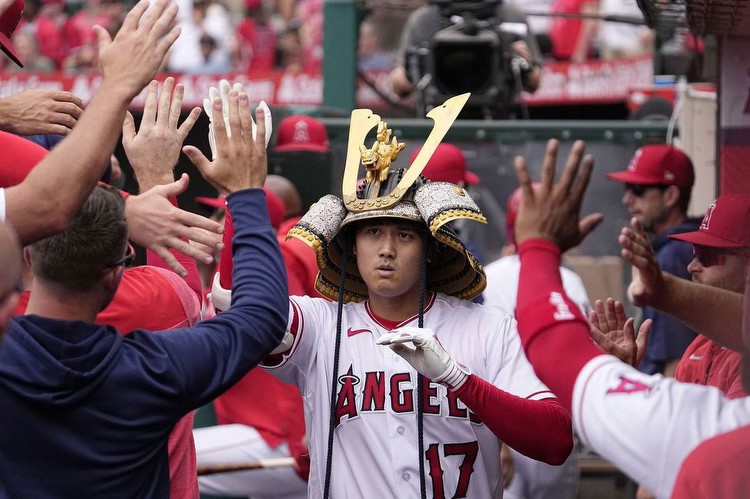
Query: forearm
550	325
688	301
53	191
539	429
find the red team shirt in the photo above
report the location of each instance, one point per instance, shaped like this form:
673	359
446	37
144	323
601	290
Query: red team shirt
708	363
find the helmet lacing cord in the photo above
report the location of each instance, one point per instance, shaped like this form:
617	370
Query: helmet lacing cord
334	381
420	378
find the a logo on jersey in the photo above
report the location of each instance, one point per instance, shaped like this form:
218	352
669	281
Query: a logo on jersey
706	223
628	385
352	332
562	312
378	393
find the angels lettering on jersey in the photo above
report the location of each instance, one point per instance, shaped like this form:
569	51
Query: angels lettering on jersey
374	391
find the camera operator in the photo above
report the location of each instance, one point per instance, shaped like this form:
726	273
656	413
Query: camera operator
425	22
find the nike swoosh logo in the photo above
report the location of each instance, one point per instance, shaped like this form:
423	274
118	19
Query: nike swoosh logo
695	357
352	332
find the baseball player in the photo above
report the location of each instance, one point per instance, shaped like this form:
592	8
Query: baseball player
379	425
647	425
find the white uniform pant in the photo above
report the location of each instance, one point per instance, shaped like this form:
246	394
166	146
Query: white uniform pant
537	480
236	443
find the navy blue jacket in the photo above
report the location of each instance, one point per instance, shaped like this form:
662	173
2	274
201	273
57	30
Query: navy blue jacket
86	412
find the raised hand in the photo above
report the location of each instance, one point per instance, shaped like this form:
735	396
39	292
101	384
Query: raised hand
427	355
647	279
240	161
153	150
157	224
614	332
550	211
133	57
223	93
42	112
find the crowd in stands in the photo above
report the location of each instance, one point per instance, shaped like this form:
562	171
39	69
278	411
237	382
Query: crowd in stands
256	35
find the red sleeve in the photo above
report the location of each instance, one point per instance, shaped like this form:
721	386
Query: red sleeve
554	334
192	278
539	429
225	264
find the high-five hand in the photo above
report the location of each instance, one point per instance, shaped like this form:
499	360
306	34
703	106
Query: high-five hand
240	161
552	211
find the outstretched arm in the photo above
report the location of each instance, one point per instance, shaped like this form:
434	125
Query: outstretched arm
683	299
44	203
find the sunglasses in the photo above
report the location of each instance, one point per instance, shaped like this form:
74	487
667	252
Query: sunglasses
639	190
126	260
708	256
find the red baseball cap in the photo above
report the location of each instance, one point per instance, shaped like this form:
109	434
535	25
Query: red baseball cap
726	224
301	133
659	164
447	164
276	208
8	22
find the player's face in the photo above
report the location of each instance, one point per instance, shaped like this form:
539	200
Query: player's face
720	269
389	256
646	203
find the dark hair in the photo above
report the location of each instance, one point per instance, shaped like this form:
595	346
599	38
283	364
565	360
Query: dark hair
684	202
96	238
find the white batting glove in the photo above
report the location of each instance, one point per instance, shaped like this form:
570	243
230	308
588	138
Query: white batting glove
223	93
220	297
426	355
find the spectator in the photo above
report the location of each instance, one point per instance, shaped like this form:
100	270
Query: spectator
9	19
623	39
28	51
658	182
573	38
626	416
289	55
47	25
256	40
371	55
532	479
538	24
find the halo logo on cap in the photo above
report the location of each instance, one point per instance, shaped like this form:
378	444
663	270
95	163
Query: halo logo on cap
705	224
301	132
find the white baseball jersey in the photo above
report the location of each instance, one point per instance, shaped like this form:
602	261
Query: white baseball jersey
375	443
647	425
502	286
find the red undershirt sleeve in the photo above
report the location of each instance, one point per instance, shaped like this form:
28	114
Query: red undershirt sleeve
539	429
554	334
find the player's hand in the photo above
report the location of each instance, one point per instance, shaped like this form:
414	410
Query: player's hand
154	149
614	332
44	112
426	355
552	211
647	279
223	93
155	223
130	60
241	161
